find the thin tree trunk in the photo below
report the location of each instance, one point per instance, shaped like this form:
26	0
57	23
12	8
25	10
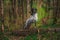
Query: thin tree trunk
22	13
16	10
28	8
14	13
39	3
2	16
55	11
6	14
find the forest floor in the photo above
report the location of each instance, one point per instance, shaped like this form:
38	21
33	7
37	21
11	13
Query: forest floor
32	34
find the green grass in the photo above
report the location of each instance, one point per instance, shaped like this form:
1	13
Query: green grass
32	36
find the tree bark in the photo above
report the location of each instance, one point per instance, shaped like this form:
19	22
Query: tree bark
55	5
2	12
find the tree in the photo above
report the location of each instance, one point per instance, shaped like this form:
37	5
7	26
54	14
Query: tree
55	5
2	14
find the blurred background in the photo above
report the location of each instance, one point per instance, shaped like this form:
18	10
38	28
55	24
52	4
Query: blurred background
14	13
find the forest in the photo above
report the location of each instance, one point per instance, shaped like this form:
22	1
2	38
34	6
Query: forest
14	13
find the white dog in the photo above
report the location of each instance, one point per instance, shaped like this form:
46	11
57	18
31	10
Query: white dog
32	19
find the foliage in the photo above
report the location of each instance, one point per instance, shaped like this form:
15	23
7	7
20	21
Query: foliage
14	20
5	38
31	37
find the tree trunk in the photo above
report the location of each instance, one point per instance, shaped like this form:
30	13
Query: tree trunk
55	5
2	15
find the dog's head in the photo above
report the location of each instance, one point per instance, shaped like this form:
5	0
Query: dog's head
33	11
